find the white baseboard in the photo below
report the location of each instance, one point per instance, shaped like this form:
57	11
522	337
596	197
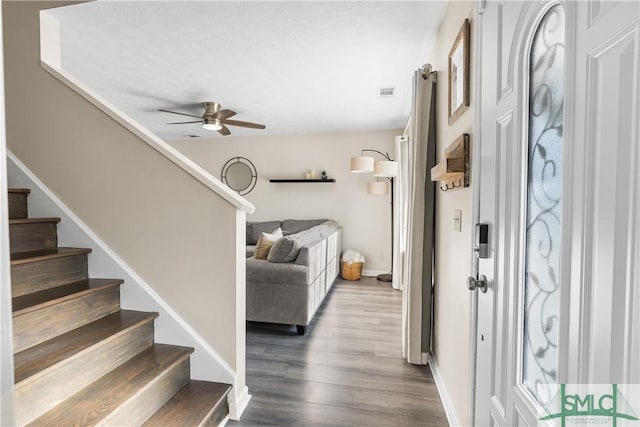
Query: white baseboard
135	293
442	391
238	401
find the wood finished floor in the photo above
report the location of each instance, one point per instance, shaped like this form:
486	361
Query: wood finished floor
347	371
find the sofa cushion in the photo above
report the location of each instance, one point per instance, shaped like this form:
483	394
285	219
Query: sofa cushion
288	248
261	271
255	230
265	242
284	250
293	226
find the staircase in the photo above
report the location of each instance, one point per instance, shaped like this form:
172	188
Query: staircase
79	358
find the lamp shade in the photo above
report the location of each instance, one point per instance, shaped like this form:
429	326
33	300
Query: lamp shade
385	168
361	164
378	187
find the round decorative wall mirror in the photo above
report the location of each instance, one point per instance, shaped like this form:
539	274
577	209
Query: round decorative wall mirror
240	175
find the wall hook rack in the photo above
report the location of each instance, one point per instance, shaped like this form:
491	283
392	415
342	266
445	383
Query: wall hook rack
453	170
453	185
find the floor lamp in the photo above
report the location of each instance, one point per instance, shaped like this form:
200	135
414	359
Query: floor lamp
381	169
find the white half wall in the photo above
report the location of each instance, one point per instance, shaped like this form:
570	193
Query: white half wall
365	219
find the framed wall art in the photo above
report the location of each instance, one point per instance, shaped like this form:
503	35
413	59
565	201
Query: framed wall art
459	74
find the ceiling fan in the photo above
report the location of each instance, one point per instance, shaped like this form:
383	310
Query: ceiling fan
214	118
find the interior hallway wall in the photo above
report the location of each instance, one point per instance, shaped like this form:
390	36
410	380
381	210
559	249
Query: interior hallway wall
453	254
365	219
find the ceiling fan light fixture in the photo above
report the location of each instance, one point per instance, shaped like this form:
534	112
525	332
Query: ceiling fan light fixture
211	124
215	119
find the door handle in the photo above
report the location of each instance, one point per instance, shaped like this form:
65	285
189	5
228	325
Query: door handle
479	283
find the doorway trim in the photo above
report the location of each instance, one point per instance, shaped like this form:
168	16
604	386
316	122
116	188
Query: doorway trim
475	203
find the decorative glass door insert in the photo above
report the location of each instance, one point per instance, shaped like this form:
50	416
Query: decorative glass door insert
543	206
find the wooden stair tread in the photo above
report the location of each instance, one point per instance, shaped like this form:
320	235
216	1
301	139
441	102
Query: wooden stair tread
45	254
30	302
19	190
44	355
191	405
33	220
93	403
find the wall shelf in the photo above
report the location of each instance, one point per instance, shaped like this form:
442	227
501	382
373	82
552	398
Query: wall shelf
447	170
453	170
287	180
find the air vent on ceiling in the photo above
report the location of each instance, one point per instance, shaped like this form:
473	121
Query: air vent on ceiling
386	92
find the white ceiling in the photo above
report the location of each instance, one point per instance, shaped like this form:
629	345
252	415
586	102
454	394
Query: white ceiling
297	66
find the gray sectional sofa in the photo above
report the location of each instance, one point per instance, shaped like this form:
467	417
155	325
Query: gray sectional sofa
303	265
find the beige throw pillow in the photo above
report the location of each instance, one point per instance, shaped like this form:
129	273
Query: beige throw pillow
265	242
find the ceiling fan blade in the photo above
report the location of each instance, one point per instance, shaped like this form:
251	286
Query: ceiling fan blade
224	131
243	124
182	114
223	114
184	123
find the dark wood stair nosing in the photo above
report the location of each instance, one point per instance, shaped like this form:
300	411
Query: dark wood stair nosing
98	285
47	254
19	190
21	221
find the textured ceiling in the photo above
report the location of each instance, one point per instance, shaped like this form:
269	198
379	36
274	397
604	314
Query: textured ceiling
297	66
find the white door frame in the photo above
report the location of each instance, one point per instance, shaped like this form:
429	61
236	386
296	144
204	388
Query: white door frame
475	209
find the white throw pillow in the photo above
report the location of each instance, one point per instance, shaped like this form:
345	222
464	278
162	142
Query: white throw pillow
265	242
273	236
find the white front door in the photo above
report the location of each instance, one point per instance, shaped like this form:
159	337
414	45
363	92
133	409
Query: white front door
559	159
